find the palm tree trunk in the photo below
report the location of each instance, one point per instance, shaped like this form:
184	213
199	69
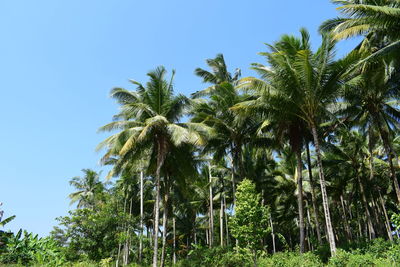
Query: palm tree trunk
128	240
207	239
376	211
233	182
226	224
313	197
366	208
390	154
300	198
174	230
156	220
211	218
221	221
393	174
165	225
141	218
309	230
345	220
328	222
272	234
161	146
387	222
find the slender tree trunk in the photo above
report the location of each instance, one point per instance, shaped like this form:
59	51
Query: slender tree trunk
165	225
207	239
387	222
128	240
120	243
393	175
300	199
309	231
390	154
221	221
345	220
359	223
376	211
328	222
313	196
161	146
174	230
366	208
141	218
226	223
211	207
233	182
156	221
272	234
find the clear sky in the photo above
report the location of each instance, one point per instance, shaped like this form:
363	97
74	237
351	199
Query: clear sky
59	60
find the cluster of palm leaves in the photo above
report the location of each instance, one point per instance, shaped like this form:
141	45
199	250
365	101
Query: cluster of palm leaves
316	134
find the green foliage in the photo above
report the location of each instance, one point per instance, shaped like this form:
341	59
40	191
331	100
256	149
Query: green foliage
93	233
344	258
250	222
26	248
375	253
396	220
219	257
290	259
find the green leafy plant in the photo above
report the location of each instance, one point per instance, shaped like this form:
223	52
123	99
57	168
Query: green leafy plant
250	223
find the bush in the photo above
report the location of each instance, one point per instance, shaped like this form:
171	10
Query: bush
290	259
357	259
218	257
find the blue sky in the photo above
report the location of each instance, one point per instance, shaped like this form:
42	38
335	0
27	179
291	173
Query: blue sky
59	60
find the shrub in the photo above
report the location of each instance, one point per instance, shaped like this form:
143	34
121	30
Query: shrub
290	259
357	259
218	257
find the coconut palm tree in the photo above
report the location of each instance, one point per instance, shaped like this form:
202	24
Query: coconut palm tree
88	188
231	130
279	114
370	102
149	123
315	82
351	155
375	19
219	74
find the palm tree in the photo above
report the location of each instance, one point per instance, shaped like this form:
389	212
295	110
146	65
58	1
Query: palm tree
149	121
371	18
88	188
231	130
280	115
315	80
370	102
351	155
218	75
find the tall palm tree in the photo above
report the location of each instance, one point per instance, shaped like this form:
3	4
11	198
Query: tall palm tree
89	187
219	74
149	121
379	19
351	155
315	80
231	130
279	114
370	102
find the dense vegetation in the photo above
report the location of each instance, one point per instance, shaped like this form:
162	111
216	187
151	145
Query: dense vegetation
295	167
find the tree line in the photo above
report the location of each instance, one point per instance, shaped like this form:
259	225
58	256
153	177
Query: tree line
312	138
